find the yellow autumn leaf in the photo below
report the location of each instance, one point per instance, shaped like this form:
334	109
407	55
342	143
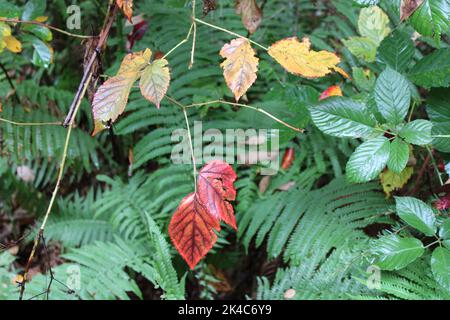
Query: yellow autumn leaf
127	7
392	181
240	66
297	58
12	44
41	19
111	97
155	81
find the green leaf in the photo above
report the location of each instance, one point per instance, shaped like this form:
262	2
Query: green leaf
33	9
432	70
368	160
432	18
8	10
399	155
444	230
396	51
43	53
364	80
417	132
373	23
343	117
438	109
417	214
40	31
362	47
392	95
440	266
394	252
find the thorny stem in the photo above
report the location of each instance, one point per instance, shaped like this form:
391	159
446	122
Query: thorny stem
69	122
46	26
110	17
249	107
230	32
55	192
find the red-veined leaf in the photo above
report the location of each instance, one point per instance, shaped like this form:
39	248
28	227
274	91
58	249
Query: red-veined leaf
193	225
155	81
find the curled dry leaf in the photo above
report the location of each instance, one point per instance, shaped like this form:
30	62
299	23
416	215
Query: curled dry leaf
208	5
240	66
330	92
193	225
112	96
127	7
251	14
297	58
155	81
407	8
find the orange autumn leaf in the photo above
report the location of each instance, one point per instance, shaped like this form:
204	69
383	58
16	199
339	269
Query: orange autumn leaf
297	58
127	7
111	97
331	91
240	66
193	225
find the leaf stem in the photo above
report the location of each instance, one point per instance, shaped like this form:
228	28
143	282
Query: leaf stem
180	43
433	161
194	36
194	165
230	32
31	123
10	20
248	107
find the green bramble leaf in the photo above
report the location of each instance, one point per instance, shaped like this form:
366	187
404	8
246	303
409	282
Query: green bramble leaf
368	160
417	214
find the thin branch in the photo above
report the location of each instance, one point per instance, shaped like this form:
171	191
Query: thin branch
88	70
194	37
11	83
180	43
194	165
248	107
230	32
436	169
46	26
31	123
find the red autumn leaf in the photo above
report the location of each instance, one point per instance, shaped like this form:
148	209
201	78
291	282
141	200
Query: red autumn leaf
331	91
288	158
137	33
443	203
193	225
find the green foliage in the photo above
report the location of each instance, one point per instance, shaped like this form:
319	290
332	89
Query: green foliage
314	220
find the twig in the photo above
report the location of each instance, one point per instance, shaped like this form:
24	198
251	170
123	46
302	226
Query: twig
11	83
189	137
69	122
248	107
230	32
10	20
194	37
180	43
436	169
31	123
420	175
88	70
